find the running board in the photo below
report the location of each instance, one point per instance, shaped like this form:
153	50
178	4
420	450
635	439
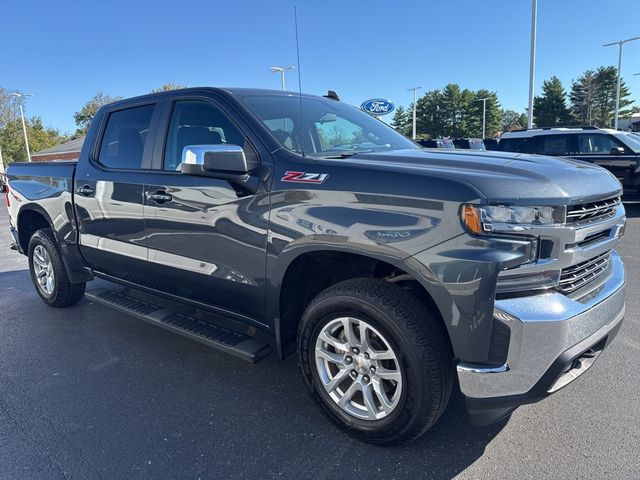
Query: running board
242	345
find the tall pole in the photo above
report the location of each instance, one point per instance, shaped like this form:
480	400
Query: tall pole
281	71
532	61
484	114
24	125
620	45
413	136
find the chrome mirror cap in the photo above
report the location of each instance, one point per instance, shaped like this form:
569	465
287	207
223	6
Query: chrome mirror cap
209	159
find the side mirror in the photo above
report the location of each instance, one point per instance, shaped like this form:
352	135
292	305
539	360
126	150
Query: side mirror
219	160
617	151
3	187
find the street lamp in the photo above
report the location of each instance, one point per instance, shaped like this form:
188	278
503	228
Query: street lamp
484	112
20	96
414	109
532	60
281	71
620	44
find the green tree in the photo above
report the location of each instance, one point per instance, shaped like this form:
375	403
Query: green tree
456	110
493	115
512	120
167	86
402	121
604	101
8	107
88	111
551	108
582	96
40	138
430	122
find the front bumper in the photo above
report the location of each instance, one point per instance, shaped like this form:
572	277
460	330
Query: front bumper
554	339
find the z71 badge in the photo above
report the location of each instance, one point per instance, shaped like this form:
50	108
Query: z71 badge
304	177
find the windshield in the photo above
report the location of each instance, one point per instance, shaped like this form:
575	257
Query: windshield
630	140
323	127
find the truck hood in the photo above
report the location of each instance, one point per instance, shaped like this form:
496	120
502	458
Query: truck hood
504	177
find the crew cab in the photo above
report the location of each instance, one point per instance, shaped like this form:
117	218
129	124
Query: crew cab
257	221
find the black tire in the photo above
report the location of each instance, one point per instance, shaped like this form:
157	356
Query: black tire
64	292
416	336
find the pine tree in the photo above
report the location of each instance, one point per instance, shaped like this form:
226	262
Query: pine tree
429	119
582	95
402	121
604	101
551	108
493	115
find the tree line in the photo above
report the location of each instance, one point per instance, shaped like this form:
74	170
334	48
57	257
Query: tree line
456	112
41	136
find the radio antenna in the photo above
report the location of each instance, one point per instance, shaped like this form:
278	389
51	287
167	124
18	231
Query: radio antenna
301	126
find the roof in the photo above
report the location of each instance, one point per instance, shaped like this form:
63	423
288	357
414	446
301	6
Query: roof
74	145
534	132
240	91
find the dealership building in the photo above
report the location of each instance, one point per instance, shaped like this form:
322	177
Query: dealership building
65	151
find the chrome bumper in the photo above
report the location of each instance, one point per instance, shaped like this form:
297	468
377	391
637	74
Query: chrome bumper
543	328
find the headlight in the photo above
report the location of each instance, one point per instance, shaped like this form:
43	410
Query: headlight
482	219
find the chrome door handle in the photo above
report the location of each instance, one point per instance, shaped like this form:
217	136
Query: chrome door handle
159	196
86	190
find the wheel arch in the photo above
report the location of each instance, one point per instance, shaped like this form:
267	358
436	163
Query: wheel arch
31	218
312	270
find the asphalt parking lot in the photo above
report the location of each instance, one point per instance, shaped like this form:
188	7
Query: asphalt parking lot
86	393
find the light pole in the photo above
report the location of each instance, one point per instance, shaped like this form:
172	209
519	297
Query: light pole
532	61
620	44
24	126
484	112
414	109
281	71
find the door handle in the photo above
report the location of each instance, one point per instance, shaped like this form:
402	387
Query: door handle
159	196
86	190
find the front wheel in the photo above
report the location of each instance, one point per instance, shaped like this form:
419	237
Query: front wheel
376	360
48	272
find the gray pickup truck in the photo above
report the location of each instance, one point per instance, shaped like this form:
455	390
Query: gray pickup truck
256	221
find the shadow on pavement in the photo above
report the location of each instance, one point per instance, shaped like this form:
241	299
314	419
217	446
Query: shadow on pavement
109	396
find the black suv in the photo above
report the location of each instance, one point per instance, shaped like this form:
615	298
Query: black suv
618	152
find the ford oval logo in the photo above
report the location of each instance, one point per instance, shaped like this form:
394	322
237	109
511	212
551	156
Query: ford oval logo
378	106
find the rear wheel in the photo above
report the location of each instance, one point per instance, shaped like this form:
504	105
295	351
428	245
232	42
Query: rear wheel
376	361
48	273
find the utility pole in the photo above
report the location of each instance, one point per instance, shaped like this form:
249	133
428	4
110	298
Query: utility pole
24	125
281	71
532	61
620	44
484	113
414	109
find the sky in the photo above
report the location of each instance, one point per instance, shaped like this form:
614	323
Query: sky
63	52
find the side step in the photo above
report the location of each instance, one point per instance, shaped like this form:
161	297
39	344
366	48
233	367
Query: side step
242	345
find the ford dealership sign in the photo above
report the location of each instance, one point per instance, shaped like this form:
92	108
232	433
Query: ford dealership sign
378	106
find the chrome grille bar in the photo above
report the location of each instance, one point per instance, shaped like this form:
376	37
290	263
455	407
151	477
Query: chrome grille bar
593	210
576	276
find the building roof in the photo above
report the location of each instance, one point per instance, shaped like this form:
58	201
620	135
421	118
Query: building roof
74	145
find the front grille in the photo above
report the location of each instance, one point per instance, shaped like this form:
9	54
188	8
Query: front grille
592	210
576	276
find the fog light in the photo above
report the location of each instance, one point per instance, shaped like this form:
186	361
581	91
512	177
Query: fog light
511	282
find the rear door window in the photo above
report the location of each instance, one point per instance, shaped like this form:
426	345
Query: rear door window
124	138
556	145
